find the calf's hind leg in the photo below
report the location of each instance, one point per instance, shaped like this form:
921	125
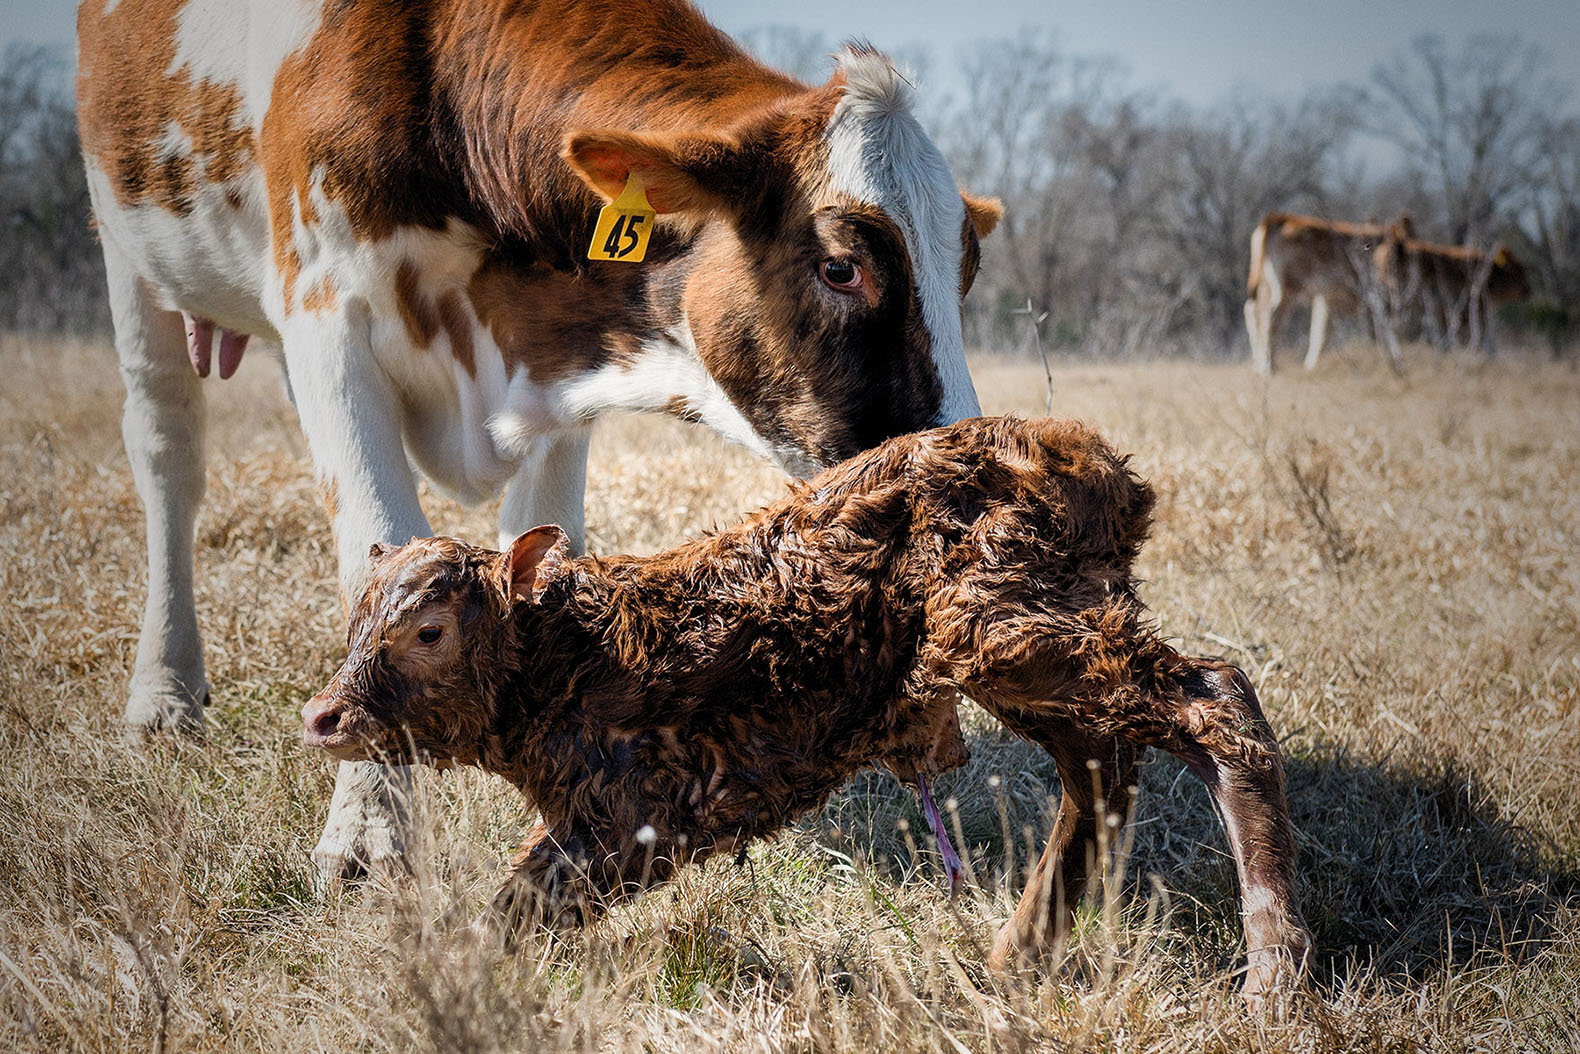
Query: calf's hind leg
1047	906
1227	742
1207	714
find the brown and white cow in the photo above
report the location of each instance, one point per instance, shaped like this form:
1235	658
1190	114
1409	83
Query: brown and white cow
401	194
1327	262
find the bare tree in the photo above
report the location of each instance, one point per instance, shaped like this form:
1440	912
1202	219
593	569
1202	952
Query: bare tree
1552	244
1468	124
54	272
801	53
1231	166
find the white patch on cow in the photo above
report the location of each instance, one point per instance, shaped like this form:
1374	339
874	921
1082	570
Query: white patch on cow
878	153
443	410
208	262
242	43
175	143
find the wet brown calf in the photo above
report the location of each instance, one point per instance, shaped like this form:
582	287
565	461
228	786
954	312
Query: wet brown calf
661	709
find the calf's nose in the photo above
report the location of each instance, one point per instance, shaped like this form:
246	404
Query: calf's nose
320	719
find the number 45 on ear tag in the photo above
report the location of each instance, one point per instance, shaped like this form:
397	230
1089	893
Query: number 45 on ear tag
624	225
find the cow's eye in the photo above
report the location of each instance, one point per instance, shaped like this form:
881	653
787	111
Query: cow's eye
430	634
843	275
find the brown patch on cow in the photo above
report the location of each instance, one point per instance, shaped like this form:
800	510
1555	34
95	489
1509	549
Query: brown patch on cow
415	309
321	297
458	327
679	407
128	102
557	325
352	115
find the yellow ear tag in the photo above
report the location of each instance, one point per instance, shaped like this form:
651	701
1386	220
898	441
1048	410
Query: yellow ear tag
624	226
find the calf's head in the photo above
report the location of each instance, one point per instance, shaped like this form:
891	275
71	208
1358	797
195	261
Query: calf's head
831	249
430	642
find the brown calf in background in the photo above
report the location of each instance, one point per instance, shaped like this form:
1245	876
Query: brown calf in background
661	709
1453	287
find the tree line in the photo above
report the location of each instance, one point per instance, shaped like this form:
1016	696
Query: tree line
1128	214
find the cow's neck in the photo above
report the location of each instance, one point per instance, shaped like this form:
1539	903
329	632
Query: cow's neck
530	77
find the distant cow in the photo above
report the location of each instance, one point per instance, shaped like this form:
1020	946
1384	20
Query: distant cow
1451	286
659	710
404	195
1326	262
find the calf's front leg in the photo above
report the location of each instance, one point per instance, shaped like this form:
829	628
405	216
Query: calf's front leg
1096	776
565	879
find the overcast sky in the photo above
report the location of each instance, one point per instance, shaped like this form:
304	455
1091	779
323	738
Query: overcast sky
1197	50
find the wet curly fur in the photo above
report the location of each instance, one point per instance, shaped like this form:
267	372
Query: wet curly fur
660	709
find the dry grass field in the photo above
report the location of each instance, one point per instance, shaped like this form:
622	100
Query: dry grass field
1393	561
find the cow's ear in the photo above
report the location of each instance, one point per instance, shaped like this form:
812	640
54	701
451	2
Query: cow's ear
532	559
679	173
377	552
984	212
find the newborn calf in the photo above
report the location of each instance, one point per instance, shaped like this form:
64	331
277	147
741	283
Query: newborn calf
658	710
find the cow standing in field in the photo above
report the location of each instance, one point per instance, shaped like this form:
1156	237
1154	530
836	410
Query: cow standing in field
1329	263
657	710
1452	286
403	195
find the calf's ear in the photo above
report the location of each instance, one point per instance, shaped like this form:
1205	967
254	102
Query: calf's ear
679	173
533	558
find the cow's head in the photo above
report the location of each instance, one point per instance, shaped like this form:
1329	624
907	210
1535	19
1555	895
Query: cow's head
831	250
1507	282
429	643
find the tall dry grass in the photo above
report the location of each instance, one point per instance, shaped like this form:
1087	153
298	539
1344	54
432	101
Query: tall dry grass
1392	560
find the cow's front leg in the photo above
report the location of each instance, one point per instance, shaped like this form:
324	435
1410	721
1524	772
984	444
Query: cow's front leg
350	414
549	486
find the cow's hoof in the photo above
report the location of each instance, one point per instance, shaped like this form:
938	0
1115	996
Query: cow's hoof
338	865
369	819
164	704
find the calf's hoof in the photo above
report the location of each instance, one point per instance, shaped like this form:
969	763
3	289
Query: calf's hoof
1276	970
493	932
1011	954
166	703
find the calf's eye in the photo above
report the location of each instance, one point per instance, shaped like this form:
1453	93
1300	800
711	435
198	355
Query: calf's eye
430	634
842	275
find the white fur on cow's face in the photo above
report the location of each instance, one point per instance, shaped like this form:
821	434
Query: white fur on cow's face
879	153
669	368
